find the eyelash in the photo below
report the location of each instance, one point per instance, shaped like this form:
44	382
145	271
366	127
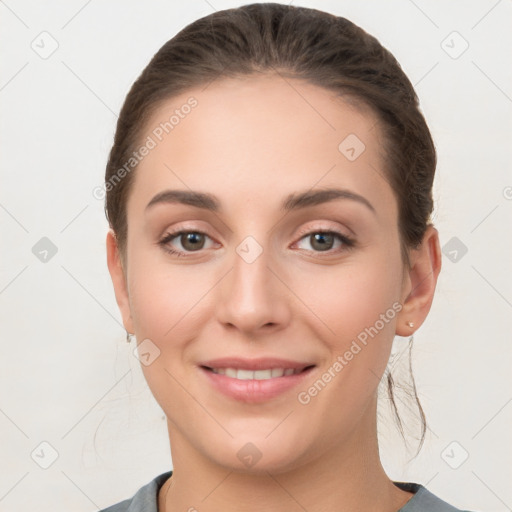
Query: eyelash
348	242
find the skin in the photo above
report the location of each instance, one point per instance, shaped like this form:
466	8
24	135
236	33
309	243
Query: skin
251	142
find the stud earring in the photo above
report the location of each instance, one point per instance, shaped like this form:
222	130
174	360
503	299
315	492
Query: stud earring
410	324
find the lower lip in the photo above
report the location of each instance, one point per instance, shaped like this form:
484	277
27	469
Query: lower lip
254	390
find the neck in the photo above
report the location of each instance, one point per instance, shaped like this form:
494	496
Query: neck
347	476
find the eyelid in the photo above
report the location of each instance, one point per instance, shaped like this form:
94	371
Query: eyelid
316	228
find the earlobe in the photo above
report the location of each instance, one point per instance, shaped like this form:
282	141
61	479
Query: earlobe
117	275
419	287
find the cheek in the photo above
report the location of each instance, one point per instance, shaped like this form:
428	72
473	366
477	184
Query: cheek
352	309
166	305
347	298
357	305
164	298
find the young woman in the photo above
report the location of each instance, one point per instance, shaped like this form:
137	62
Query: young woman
269	194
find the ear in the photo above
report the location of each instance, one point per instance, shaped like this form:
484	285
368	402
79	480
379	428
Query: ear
420	283
117	273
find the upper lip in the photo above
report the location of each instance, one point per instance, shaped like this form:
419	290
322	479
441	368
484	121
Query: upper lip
262	363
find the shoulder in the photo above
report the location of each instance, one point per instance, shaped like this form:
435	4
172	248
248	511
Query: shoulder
144	500
424	500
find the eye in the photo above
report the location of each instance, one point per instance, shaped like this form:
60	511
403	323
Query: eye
194	241
323	241
190	241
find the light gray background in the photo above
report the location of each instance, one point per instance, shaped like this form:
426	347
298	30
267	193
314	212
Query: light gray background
67	376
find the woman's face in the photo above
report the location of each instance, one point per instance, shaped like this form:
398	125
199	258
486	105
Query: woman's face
254	279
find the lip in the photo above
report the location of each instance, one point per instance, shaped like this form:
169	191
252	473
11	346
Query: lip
254	391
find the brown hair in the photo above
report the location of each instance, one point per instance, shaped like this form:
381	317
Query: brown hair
326	50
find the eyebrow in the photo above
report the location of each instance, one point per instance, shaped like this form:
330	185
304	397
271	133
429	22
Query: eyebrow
292	202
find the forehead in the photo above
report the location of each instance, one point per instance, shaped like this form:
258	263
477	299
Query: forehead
254	136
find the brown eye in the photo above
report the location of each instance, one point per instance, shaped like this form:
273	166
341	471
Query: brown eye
322	241
192	241
325	241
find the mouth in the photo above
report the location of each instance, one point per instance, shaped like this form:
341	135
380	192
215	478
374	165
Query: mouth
256	381
263	374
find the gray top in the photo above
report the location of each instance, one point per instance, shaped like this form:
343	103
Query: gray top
146	499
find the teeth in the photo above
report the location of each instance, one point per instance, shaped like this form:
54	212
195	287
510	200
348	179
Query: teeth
240	374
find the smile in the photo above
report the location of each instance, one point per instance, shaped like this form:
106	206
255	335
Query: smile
253	386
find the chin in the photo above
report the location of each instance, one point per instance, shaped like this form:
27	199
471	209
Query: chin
259	456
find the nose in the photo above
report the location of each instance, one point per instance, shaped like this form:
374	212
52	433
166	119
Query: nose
253	297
